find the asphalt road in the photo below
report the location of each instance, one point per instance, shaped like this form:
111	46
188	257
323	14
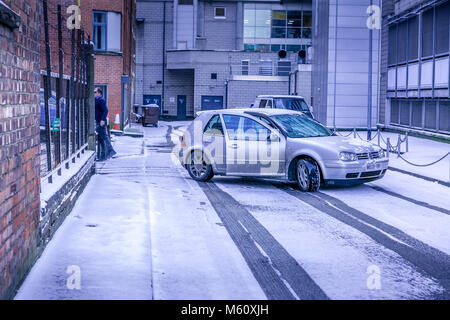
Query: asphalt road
244	238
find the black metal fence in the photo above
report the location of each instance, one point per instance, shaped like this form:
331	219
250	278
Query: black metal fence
63	98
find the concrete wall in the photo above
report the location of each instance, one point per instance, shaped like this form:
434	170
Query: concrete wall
245	92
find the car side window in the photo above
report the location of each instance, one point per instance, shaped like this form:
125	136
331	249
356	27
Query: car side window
269	103
243	128
214	127
262	103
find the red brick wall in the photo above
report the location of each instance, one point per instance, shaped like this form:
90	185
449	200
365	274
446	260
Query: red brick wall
19	144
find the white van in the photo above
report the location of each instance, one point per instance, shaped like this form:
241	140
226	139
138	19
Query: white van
296	103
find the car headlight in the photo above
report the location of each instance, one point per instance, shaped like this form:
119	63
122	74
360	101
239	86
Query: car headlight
348	156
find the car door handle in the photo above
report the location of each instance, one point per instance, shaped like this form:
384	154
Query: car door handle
234	146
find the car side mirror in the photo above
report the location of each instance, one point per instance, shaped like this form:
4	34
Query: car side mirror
273	137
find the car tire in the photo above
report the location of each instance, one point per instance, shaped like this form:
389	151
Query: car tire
199	167
308	175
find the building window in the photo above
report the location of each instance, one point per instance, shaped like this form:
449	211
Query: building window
442	28
244	66
427	33
214	76
107	30
186	2
276	27
219	13
99	30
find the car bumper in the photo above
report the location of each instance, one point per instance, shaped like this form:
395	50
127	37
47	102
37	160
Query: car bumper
355	171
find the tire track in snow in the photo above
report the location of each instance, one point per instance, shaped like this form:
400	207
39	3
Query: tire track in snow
429	261
278	273
417	202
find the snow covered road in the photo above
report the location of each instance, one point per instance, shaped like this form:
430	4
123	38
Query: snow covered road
245	238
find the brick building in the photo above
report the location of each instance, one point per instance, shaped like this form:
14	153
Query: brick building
20	30
110	24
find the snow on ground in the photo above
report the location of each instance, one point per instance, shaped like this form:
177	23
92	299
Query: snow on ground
144	229
193	255
422	223
334	254
106	236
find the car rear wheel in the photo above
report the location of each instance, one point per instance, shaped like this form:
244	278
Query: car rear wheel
199	167
308	175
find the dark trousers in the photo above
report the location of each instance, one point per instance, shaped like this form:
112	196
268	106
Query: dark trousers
104	144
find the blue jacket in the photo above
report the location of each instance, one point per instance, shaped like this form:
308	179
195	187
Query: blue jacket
101	110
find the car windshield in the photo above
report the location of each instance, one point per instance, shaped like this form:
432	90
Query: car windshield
291	104
300	126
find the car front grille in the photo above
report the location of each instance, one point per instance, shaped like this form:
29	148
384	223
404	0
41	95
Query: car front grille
366	156
374	155
362	156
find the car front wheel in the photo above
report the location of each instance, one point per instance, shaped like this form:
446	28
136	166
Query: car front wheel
199	167
308	175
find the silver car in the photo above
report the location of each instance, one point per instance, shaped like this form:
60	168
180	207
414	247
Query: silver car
280	144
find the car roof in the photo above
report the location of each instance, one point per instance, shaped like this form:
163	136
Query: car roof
242	111
279	96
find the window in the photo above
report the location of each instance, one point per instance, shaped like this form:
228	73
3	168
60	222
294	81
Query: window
243	128
219	13
265	67
275	28
392	45
413	38
214	127
442	28
427	33
262	103
187	2
416	114
244	65
106	30
214	76
404	112
444	116
401	42
99	30
394	111
430	115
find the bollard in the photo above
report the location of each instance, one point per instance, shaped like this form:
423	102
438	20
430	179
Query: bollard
379	134
354	133
406	140
399	141
388	146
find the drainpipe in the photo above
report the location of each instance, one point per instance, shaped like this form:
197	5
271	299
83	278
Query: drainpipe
164	58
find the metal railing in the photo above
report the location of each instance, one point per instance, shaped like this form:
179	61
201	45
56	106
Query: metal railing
391	148
266	68
64	112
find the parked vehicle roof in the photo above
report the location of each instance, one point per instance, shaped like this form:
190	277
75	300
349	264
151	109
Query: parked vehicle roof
279	96
265	111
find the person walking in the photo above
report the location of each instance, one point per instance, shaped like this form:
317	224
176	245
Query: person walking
101	111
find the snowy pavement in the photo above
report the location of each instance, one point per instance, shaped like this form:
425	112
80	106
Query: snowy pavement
143	229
